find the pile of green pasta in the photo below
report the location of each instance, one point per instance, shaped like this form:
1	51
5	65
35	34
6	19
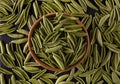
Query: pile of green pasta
102	19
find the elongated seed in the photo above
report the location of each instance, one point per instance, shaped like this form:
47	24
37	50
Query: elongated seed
19	74
77	6
2	47
59	4
22	31
2	79
61	78
91	5
5	71
22	72
115	78
103	19
106	59
99	37
15	35
59	61
13	80
31	69
39	74
53	49
49	75
19	41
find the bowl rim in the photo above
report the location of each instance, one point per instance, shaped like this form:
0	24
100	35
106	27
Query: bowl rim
42	64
